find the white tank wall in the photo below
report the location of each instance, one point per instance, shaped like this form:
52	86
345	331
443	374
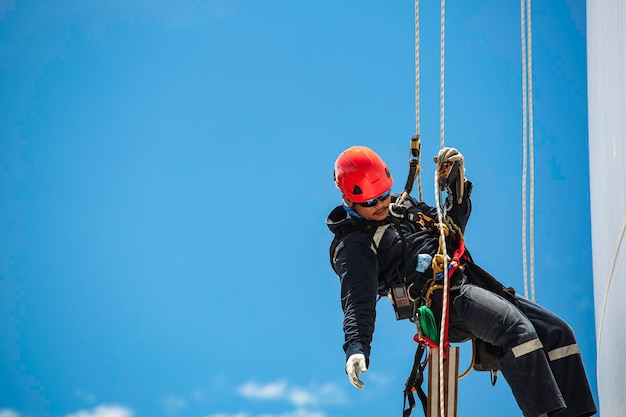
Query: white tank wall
606	66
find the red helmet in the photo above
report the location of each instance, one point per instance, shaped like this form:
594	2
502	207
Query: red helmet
361	174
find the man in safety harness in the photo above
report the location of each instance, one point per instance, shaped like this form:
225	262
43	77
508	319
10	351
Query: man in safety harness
394	253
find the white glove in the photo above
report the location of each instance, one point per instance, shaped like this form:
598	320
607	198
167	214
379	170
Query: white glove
354	366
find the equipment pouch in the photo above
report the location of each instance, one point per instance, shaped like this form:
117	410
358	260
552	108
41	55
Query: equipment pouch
402	305
485	356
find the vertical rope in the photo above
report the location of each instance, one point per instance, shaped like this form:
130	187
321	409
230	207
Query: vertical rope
444	301
531	154
524	149
417	87
528	152
441	66
417	68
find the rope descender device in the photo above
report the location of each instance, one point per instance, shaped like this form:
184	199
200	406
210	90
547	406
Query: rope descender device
414	173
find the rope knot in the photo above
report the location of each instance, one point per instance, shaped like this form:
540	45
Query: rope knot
438	263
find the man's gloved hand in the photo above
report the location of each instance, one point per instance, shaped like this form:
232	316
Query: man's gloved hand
450	169
354	366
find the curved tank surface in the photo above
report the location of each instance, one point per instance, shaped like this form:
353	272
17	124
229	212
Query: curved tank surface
606	69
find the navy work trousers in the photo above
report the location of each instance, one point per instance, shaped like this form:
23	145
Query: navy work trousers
539	356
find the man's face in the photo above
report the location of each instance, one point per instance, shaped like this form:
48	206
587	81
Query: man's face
373	210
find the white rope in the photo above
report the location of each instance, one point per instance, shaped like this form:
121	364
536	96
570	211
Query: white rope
446	284
620	238
437	190
444	301
441	66
531	155
527	151
417	68
524	150
417	87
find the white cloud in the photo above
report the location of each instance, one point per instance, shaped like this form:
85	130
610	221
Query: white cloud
228	415
332	394
382	380
85	396
173	404
297	396
274	390
198	395
6	412
104	410
300	397
300	412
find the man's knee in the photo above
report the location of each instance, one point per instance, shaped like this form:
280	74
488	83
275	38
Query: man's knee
492	318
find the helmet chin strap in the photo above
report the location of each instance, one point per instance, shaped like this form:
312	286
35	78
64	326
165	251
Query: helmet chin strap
351	211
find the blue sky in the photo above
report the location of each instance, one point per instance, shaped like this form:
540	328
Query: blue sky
167	170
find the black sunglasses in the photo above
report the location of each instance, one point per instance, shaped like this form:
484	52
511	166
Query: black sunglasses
374	201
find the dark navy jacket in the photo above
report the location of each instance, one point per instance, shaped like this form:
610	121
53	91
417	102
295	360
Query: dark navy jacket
364	274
